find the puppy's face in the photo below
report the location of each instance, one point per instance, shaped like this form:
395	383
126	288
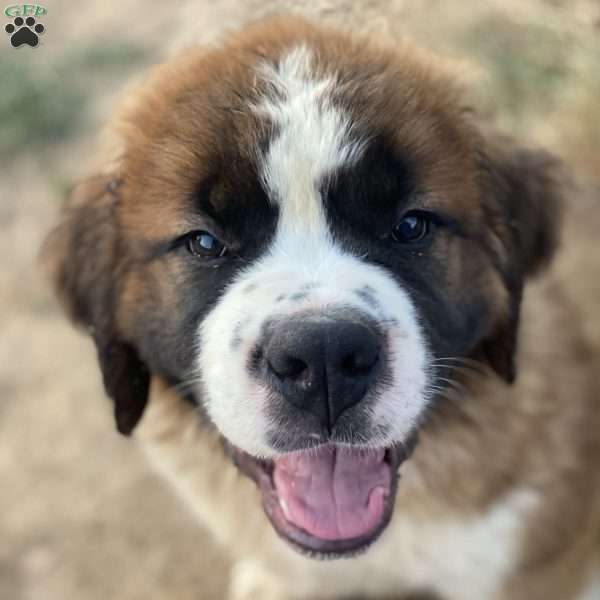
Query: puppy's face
301	230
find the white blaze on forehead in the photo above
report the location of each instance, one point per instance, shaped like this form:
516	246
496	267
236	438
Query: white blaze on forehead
312	137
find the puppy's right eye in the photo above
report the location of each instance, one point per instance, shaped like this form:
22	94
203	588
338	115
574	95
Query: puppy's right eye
204	245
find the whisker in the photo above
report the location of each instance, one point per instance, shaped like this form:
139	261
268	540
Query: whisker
187	385
456	400
453	384
463	361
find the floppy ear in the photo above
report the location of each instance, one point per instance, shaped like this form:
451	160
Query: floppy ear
522	198
82	256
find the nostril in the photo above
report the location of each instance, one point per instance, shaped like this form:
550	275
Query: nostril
288	367
356	364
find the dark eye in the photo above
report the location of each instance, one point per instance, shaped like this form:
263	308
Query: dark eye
204	245
413	227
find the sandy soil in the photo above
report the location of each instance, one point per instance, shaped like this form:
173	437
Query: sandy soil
82	517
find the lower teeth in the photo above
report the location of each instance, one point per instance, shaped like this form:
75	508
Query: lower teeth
285	508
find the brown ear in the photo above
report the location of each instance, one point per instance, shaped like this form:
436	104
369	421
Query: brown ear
82	256
522	197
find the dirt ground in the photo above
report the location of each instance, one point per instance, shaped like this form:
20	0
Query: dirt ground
82	517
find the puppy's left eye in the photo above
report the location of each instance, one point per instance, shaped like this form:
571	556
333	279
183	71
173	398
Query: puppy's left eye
413	227
204	245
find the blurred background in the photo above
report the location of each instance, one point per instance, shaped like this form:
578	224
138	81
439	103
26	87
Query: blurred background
82	517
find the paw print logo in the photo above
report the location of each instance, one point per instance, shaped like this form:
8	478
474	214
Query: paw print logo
24	32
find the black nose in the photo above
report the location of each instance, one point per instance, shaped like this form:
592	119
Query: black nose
322	366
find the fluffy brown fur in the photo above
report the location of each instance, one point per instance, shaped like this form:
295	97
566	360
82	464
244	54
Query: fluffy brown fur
528	452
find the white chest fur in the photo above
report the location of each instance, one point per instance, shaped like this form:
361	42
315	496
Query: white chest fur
459	559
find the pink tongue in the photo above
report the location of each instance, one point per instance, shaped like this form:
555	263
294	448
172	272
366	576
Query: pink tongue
333	493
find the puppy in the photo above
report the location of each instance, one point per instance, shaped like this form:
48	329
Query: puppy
304	260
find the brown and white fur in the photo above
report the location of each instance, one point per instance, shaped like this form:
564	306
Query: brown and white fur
501	497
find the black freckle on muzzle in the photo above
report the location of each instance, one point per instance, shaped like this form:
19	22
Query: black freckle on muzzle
369	296
299	296
311	285
237	335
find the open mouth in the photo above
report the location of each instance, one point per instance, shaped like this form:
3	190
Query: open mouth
329	501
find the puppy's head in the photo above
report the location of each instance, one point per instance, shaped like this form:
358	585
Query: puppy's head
301	228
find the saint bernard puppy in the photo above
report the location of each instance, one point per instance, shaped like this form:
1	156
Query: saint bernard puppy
303	261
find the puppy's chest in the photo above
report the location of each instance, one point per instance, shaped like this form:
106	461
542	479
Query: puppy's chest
456	559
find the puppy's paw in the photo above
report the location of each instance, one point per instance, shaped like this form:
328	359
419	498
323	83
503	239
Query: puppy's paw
250	581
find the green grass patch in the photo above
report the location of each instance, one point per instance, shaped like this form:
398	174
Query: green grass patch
528	64
35	108
40	106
